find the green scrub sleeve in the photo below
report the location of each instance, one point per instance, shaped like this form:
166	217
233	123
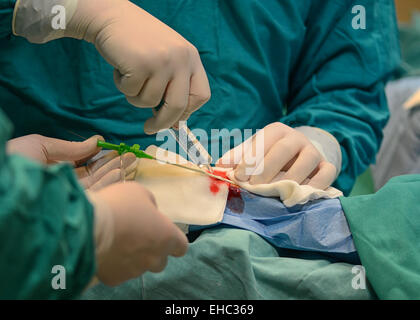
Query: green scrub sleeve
338	84
385	228
45	221
6	17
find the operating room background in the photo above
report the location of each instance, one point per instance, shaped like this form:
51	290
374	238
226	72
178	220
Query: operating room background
400	149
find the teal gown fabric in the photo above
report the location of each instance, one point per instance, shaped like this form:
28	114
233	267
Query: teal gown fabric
225	263
386	232
45	221
299	62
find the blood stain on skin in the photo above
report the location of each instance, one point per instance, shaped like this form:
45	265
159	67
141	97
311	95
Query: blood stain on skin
234	200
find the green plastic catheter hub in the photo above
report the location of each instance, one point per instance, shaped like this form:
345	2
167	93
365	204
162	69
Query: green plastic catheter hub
123	148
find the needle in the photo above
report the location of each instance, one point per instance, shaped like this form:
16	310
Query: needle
77	135
197	170
122	170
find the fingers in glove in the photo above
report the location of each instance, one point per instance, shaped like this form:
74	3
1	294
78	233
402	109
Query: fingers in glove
275	159
158	264
117	163
89	169
111	177
232	158
130	176
131	168
61	150
246	156
173	107
151	93
130	84
94	172
307	161
324	177
199	92
179	245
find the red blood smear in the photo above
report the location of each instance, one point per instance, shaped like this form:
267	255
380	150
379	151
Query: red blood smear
214	187
215	183
234	201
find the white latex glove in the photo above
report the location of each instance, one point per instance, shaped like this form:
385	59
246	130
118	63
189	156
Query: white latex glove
96	175
284	153
152	62
109	169
131	235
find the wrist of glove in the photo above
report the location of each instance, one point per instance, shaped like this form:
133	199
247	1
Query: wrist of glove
325	143
103	233
104	223
40	21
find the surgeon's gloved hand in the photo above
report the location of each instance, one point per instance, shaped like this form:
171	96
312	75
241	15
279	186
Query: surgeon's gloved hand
108	169
131	235
306	155
152	62
95	175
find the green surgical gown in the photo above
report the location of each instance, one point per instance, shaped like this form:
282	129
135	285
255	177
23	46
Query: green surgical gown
386	232
227	263
45	221
296	61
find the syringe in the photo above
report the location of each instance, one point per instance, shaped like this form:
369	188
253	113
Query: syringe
190	144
